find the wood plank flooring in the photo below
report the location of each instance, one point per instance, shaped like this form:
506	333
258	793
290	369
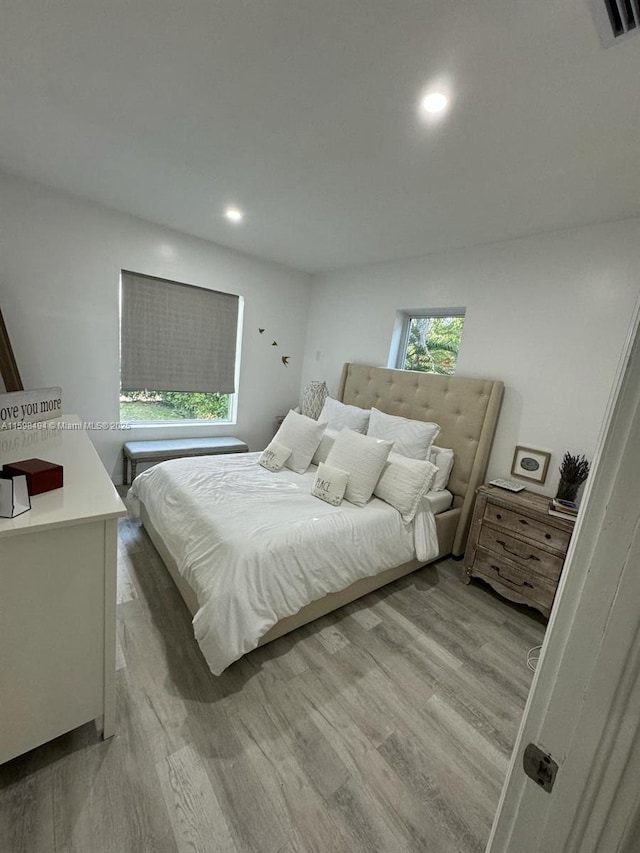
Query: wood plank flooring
386	726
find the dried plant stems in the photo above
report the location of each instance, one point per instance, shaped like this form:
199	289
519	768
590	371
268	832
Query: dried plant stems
574	469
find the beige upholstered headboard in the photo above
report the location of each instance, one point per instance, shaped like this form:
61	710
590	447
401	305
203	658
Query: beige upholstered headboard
466	410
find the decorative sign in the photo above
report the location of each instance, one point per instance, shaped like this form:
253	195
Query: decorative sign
28	407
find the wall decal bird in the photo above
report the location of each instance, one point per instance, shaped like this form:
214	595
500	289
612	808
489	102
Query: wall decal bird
261	331
285	360
274	344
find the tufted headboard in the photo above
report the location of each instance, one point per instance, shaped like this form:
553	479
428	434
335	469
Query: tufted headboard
466	410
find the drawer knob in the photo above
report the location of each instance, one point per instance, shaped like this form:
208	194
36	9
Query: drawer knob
504	577
499	516
547	536
515	553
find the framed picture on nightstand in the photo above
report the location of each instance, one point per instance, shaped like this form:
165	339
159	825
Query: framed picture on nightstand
530	464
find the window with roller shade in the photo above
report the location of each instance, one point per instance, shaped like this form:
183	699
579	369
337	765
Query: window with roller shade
178	348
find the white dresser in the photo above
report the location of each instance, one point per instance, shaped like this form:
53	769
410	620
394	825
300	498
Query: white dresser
57	596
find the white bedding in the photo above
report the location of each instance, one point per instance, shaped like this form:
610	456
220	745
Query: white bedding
255	546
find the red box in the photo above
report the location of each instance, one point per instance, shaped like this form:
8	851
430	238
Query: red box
41	476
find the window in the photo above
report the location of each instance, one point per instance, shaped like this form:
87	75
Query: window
177	351
429	340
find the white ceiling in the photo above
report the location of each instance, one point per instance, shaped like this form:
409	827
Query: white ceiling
303	113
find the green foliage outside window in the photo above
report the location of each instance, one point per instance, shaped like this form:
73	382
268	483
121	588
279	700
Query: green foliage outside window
433	344
172	406
198	405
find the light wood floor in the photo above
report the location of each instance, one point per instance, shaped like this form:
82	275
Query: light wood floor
384	727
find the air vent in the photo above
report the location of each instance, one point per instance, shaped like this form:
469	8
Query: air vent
615	20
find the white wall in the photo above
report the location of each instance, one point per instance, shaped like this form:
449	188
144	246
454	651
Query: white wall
60	261
546	314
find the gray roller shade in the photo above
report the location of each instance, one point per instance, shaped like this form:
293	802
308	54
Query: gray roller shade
175	337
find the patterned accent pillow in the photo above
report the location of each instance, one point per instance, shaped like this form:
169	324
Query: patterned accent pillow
330	484
410	437
363	458
274	456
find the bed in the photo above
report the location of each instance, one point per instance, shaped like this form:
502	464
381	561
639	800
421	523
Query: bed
466	410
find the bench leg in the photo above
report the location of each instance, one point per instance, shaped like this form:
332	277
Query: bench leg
125	473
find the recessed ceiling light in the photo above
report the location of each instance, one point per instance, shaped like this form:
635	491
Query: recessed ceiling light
434	102
234	214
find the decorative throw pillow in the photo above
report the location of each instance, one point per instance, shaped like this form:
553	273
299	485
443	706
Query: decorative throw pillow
326	443
303	436
442	458
410	437
403	482
313	398
363	457
330	484
274	456
338	415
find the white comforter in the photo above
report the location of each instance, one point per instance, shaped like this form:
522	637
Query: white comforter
256	546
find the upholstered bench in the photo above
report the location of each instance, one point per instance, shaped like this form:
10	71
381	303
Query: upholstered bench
176	448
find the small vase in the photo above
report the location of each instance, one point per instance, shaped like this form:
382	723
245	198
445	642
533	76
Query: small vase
313	399
567	491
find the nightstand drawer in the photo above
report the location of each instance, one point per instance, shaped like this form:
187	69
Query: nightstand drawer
524	554
501	574
537	531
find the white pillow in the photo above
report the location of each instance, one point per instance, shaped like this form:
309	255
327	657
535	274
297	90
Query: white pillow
326	443
403	483
442	458
363	457
303	436
410	438
330	484
274	456
338	415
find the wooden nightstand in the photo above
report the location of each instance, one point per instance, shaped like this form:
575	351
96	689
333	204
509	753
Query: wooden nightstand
516	546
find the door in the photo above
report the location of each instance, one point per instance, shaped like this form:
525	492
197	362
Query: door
584	705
